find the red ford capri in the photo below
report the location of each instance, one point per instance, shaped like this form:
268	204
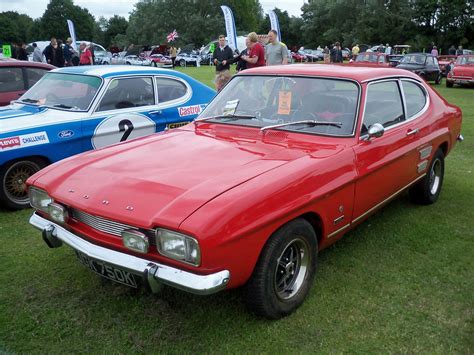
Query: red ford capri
281	164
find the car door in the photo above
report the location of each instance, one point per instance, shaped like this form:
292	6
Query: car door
127	109
174	101
386	164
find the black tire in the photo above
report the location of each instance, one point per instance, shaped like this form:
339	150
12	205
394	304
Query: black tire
13	176
427	190
276	290
128	63
182	63
438	79
449	84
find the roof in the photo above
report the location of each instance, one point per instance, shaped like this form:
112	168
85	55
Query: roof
359	74
106	71
25	63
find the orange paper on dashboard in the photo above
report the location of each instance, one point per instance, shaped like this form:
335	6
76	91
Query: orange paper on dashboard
284	102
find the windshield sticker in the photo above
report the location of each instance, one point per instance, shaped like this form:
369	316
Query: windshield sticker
190	110
230	107
284	102
23	141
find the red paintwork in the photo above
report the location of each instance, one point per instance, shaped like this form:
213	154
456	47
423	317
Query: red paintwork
231	187
462	73
159	59
444	60
6	97
366	59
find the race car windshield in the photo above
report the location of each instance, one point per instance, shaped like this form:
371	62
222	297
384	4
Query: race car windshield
63	91
287	102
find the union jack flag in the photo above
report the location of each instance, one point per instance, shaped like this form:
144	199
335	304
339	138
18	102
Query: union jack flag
172	36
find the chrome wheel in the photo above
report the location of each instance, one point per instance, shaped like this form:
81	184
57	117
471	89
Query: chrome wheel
435	176
291	269
14	181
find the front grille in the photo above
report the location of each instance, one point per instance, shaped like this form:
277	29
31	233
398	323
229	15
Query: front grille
105	225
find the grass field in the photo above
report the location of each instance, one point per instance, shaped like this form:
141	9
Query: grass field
402	282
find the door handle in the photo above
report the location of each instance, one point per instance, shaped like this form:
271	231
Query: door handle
157	112
412	132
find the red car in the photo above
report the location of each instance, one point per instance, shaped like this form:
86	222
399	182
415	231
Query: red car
444	61
281	164
462	73
17	76
161	61
298	57
371	59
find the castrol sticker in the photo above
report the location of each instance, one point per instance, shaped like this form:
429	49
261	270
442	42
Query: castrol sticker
26	140
189	110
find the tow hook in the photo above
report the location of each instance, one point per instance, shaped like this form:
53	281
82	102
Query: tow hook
50	239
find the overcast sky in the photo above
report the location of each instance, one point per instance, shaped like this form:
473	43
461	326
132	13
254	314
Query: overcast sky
109	8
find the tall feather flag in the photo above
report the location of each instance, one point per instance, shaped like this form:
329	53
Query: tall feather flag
275	24
230	27
72	32
172	36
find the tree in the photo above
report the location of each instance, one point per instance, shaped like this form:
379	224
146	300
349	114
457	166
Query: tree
15	27
290	27
116	25
53	22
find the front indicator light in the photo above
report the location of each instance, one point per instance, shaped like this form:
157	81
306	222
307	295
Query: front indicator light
135	240
39	199
58	212
178	246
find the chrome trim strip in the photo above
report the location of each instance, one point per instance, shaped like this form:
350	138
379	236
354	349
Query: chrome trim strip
387	199
425	152
184	280
338	231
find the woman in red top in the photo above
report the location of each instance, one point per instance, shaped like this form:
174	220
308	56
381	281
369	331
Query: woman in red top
256	56
86	55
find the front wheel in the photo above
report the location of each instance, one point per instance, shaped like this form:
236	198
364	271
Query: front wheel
182	63
427	190
13	175
449	84
438	79
284	272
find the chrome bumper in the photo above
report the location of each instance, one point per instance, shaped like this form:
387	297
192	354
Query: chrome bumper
153	273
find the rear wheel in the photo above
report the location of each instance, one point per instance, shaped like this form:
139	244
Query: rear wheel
449	84
438	79
284	272
427	190
13	175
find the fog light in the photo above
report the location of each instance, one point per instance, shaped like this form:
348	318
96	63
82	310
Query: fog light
135	240
58	212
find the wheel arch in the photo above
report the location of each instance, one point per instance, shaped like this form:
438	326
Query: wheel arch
42	158
444	148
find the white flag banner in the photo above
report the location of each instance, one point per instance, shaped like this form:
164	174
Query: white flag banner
275	25
230	27
72	32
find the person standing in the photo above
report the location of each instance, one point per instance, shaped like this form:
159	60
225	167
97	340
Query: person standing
275	52
86	55
222	56
355	51
54	54
173	54
459	51
388	49
256	53
68	53
21	52
37	55
452	50
434	52
336	53
326	55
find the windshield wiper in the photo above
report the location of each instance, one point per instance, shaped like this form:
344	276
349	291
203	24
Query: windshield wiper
228	117
66	106
310	123
33	101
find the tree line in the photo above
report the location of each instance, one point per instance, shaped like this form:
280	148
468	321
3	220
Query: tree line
323	22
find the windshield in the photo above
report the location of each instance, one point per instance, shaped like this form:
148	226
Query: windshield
262	101
367	57
413	59
465	60
65	91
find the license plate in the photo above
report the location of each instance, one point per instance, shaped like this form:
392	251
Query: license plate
108	271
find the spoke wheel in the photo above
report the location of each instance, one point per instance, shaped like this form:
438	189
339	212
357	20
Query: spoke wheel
14	194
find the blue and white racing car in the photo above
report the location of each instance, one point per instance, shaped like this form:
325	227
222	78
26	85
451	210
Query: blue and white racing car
72	110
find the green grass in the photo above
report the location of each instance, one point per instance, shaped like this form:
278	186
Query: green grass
401	282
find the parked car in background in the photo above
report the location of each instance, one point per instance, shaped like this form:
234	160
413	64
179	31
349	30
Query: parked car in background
17	76
395	59
423	64
280	165
136	60
371	59
444	61
186	59
462	73
312	55
346	53
75	109
297	57
160	61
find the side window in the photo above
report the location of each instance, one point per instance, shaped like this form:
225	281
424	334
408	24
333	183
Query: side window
33	75
429	61
436	61
415	97
128	92
169	89
11	79
383	105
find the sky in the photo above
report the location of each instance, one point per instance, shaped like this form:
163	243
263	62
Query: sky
35	8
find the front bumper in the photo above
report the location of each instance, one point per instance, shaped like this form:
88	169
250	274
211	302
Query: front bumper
153	273
461	80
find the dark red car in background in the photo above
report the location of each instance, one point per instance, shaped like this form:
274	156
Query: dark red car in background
371	59
17	76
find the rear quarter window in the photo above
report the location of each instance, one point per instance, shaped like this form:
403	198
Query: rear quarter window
415	98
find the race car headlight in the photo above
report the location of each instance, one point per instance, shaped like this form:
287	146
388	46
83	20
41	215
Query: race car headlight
39	199
178	246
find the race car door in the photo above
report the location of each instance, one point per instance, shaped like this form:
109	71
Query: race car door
126	110
388	163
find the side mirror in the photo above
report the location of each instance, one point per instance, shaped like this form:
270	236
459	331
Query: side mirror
376	130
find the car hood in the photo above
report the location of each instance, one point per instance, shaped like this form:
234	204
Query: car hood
163	178
464	70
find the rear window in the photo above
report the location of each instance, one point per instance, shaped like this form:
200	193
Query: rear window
11	79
